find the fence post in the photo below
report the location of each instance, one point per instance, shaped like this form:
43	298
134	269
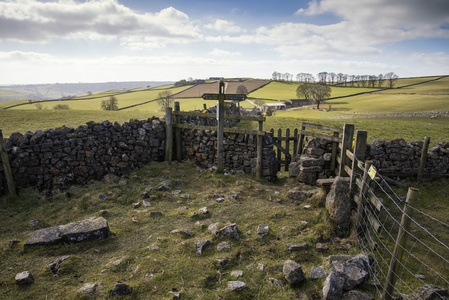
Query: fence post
334	153
7	167
279	150
300	140
422	162
287	147
220	147
169	134
346	143
295	142
412	196
259	152
359	153
363	190
178	134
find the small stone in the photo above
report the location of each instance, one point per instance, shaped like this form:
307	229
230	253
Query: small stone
183	231
262	230
120	289
430	292
223	246
185	196
317	273
88	288
154	214
356	295
13	243
163	186
261	266
103	212
296	247
145	195
307	207
203	211
201	246
34	223
219	200
333	287
276	282
237	274
231	231
236	286
320	247
222	261
24	278
153	247
136	205
420	276
103	197
179	184
146	203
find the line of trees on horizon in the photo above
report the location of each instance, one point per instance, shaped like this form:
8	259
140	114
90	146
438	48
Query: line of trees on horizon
340	79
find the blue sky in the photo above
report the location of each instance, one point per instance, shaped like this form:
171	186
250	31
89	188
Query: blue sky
127	40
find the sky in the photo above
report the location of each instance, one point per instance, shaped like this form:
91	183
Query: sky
69	41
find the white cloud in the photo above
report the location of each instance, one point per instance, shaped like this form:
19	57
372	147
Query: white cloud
224	26
438	58
221	52
33	21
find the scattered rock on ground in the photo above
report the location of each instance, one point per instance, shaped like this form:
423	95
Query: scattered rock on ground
93	228
183	231
223	246
201	246
121	289
88	289
293	273
231	231
262	230
333	287
357	295
431	292
338	204
24	278
236	286
300	195
237	273
296	247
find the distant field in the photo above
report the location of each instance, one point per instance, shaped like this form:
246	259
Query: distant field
287	90
231	88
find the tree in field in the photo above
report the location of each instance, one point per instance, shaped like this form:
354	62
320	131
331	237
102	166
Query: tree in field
380	80
391	77
110	104
241	89
303	91
319	92
322	77
165	99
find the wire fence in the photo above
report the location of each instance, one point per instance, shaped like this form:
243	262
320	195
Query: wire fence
424	258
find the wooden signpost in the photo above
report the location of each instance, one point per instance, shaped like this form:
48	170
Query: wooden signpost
221	97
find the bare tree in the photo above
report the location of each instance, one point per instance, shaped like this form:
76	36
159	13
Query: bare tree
332	77
165	99
372	80
380	80
110	104
322	77
391	77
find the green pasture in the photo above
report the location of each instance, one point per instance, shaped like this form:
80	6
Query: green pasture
287	90
439	86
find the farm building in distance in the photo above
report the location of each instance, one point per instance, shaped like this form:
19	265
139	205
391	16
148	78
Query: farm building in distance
273	106
297	103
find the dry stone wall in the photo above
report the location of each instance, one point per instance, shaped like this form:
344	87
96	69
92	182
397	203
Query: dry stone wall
400	157
55	158
61	156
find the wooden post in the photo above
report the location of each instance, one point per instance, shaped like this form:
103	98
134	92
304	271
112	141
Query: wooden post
334	153
300	140
259	152
279	158
359	154
169	134
178	134
204	106
220	148
412	196
7	167
346	143
363	189
287	147
423	161
295	142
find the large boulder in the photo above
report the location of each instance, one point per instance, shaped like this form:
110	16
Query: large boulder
338	204
333	287
93	228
